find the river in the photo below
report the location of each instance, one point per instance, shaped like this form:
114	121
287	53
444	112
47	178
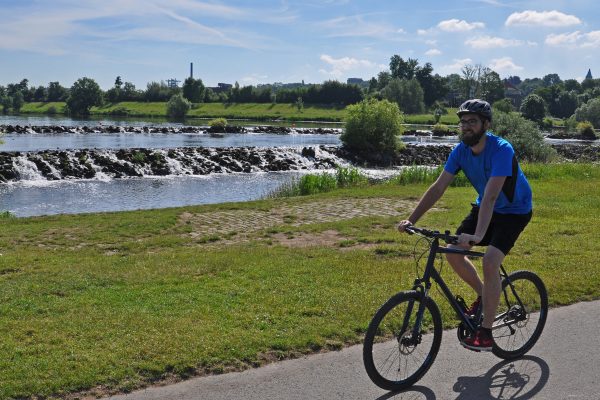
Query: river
35	196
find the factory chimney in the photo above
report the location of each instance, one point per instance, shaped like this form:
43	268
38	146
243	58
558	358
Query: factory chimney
191	70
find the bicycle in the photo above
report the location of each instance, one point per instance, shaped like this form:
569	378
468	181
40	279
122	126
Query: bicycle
397	352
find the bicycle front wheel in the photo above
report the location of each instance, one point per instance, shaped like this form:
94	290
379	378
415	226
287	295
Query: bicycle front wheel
395	354
521	314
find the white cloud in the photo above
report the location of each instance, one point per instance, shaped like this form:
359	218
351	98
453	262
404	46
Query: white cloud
488	42
455	25
563	38
504	64
433	52
339	66
431	42
574	39
543	18
456	66
423	32
591	39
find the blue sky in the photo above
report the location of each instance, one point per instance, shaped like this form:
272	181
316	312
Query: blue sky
255	42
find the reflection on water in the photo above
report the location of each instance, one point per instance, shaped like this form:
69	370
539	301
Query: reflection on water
70	197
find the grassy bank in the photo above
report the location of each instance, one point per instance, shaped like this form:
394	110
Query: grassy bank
120	300
253	111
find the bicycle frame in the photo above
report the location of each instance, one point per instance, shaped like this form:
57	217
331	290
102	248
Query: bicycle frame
423	285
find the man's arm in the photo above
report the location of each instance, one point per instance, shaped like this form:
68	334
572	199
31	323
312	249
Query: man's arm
486	209
431	196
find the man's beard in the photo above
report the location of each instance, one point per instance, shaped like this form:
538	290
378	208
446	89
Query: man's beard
471	140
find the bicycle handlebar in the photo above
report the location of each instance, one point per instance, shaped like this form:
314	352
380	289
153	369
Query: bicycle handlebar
446	236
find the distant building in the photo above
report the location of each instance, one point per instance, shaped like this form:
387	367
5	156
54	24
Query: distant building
221	87
354	81
173	83
589	74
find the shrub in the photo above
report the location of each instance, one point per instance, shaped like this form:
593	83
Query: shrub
525	136
178	106
218	125
504	105
585	129
373	126
547	123
442	129
52	110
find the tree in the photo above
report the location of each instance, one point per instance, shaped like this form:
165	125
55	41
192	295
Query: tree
178	106
193	90
17	101
84	94
403	69
408	94
551	79
56	92
383	79
118	82
372	126
565	104
491	87
589	111
533	108
40	94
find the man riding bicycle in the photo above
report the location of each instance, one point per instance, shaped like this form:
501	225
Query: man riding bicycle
498	216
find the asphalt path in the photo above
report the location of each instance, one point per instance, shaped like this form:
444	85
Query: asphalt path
564	364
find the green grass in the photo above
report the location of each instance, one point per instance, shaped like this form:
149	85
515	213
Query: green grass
253	111
120	300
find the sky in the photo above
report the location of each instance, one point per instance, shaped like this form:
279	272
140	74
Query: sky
258	42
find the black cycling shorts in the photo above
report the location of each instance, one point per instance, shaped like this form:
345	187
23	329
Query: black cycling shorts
503	231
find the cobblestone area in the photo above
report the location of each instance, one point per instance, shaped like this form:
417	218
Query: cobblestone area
243	222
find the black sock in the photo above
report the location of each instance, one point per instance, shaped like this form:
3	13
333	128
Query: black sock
487	331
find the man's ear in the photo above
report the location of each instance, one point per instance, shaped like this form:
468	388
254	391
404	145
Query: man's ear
487	124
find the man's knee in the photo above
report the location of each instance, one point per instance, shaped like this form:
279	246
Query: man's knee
492	260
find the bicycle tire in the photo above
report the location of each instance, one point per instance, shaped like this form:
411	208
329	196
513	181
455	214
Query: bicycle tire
516	330
387	356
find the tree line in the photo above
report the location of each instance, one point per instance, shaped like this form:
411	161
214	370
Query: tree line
414	87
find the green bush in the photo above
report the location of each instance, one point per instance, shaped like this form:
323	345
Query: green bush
524	135
442	129
585	129
178	106
504	105
52	110
373	126
347	177
218	125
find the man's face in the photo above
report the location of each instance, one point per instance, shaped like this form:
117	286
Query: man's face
472	128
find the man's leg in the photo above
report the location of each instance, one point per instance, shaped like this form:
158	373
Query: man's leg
465	270
492	284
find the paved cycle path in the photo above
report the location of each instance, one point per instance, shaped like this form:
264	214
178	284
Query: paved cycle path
564	364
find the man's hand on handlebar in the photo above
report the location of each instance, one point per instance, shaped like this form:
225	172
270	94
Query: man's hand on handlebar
469	240
402	225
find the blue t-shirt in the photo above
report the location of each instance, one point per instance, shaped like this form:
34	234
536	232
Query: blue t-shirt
497	159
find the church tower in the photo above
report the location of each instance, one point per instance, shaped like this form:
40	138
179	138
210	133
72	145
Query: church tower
589	74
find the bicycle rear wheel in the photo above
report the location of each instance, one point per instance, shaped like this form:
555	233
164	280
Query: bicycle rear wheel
394	358
521	314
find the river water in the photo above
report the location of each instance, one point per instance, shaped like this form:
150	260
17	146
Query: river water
35	197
